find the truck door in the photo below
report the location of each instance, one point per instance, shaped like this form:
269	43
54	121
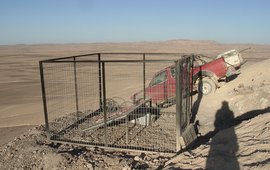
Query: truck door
170	84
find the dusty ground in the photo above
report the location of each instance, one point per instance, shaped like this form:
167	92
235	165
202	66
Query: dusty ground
243	144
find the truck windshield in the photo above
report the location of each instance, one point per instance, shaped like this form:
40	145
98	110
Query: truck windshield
159	78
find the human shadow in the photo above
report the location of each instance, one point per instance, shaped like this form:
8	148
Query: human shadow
222	153
224	146
195	107
236	121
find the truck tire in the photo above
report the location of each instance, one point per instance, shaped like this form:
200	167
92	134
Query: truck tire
206	86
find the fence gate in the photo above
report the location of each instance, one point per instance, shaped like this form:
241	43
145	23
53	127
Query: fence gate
118	100
185	131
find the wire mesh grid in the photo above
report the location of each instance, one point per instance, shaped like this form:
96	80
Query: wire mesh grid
112	100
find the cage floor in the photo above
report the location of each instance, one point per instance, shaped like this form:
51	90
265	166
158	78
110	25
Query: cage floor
158	135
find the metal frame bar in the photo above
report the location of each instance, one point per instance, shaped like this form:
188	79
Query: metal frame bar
99	81
144	76
106	53
104	102
69	57
112	147
178	105
109	61
181	96
190	83
76	87
44	95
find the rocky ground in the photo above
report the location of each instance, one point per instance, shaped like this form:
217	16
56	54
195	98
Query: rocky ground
32	151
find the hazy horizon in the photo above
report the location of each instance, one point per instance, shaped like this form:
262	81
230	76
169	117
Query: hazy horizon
101	21
123	42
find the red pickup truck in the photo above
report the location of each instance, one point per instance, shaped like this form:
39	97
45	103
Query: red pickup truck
205	76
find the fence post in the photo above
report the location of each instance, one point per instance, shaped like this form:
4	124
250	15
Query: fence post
76	88
99	81
191	83
104	103
144	96
178	103
188	89
127	129
44	96
143	76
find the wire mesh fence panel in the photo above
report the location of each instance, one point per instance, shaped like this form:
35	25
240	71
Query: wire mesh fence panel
112	100
60	94
87	87
159	85
185	92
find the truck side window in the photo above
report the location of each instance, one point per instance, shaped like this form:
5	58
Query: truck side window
173	71
159	78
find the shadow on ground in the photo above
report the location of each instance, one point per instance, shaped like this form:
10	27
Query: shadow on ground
223	146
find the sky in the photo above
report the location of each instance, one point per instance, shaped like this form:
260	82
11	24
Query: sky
89	21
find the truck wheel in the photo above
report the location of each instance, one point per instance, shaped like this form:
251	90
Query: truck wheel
206	86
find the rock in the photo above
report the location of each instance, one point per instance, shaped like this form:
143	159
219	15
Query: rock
126	168
137	158
155	160
90	166
147	158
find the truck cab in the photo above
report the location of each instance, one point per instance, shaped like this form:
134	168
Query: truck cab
204	79
161	88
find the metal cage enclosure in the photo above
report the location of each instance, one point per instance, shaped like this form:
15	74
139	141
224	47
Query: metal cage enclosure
131	101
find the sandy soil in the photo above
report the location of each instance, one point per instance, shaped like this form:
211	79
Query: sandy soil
244	144
8	133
